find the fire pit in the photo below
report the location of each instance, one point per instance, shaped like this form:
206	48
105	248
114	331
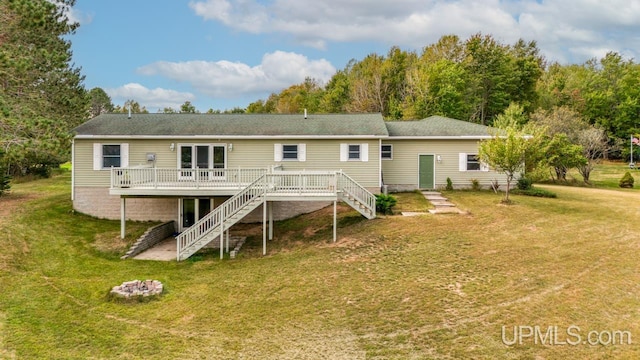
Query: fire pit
137	289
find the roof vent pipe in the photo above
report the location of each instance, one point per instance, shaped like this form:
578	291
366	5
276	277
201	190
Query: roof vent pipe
129	111
305	113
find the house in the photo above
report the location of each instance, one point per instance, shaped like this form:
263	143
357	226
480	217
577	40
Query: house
207	172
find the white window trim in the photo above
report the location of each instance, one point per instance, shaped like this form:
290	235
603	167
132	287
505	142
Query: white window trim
391	152
344	152
98	159
278	152
193	151
462	163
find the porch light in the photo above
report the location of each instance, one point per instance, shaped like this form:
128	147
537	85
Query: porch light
172	146
230	147
439	158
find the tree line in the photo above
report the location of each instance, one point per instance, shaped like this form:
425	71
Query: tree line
476	80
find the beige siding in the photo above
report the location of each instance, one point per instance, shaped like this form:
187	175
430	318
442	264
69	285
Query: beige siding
402	171
321	155
138	149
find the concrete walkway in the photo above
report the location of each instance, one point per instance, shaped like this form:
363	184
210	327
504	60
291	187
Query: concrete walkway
163	251
442	205
166	249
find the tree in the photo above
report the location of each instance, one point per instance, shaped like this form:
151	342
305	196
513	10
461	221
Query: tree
595	144
505	152
187	108
491	68
563	155
336	94
100	102
132	105
41	94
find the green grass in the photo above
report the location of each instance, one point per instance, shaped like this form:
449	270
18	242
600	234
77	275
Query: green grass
411	201
391	288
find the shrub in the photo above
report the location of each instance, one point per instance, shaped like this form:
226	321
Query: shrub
449	184
626	181
385	203
475	185
535	192
524	183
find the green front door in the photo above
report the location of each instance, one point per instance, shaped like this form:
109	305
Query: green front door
426	172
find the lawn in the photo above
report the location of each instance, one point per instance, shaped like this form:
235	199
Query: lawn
432	286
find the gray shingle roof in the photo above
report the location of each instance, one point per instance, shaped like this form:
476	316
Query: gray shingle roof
268	125
234	125
436	126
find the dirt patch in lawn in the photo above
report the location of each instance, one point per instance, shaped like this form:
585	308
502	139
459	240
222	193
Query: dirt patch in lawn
110	242
13	203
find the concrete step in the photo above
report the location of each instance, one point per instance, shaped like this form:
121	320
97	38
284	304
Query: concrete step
443	203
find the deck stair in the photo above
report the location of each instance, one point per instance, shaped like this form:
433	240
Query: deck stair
277	184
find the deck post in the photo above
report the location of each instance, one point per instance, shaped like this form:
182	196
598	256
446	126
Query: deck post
123	217
271	220
335	221
227	237
264	228
222	234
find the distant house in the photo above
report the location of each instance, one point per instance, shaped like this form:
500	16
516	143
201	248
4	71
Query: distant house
212	171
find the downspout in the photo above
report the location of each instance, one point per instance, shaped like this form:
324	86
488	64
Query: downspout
380	164
73	169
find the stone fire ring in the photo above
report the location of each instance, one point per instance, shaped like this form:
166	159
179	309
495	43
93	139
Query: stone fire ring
137	289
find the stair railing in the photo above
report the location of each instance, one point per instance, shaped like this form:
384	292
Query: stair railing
218	215
348	186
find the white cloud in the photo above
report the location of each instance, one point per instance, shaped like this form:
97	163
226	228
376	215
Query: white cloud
563	29
152	99
225	79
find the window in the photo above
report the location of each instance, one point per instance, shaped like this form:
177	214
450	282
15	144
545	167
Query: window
290	152
473	163
110	156
106	156
386	152
199	156
354	152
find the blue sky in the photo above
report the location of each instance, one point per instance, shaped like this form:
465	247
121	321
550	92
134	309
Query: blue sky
225	53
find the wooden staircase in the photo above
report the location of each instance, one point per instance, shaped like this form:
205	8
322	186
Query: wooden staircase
356	196
213	225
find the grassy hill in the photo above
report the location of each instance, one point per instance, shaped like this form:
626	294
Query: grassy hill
446	286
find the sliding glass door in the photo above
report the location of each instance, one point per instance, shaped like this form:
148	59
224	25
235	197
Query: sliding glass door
192	210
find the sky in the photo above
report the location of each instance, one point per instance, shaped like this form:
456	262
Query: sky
222	54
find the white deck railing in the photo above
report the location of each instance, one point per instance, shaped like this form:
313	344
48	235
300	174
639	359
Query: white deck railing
301	182
163	178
